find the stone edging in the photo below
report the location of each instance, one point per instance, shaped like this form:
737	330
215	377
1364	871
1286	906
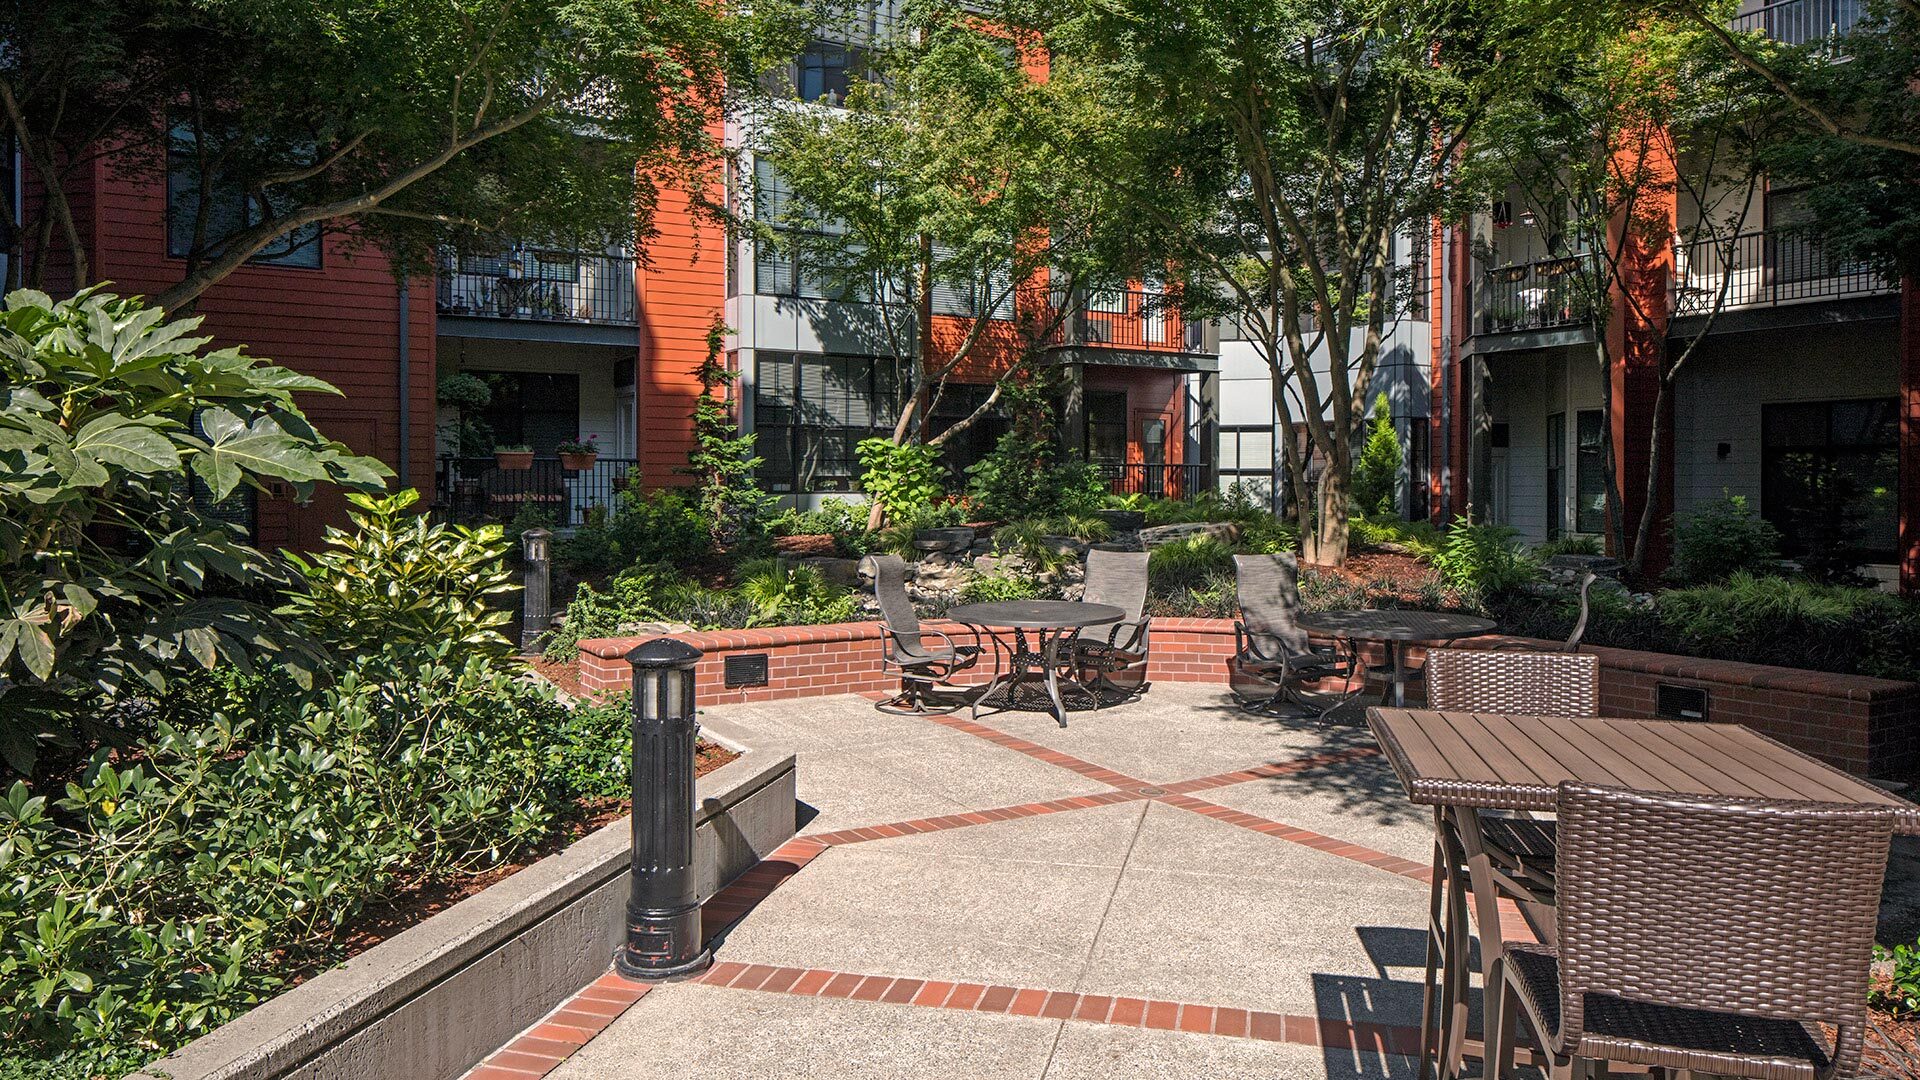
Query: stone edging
435	999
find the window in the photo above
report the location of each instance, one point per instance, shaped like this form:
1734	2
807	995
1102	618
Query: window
823	72
1556	475
1829	471
781	268
229	209
1590	480
1106	412
1247	458
959	401
971	298
1417	269
538	409
812	410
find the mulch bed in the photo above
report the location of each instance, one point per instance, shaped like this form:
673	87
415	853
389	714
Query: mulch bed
563	674
806	545
1893	1047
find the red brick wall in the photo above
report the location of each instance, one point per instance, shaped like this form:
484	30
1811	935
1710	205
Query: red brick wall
1867	726
1910	436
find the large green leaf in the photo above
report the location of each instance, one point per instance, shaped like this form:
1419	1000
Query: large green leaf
129	442
261	447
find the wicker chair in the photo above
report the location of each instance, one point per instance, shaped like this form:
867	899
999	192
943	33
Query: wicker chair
1701	933
1116	653
903	648
1272	655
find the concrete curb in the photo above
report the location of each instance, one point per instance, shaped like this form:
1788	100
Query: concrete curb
435	999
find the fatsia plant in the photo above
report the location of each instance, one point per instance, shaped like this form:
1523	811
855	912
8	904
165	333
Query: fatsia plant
398	580
118	433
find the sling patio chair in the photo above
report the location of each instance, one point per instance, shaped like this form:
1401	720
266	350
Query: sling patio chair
1700	933
1272	655
1116	653
923	667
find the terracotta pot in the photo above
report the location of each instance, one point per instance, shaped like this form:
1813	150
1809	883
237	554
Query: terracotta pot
578	462
621	483
515	460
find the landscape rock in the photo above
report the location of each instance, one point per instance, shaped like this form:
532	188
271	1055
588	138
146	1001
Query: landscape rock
1121	521
1226	532
955	540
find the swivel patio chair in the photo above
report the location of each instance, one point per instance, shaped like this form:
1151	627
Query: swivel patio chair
1572	644
1116	653
1272	655
922	668
1700	933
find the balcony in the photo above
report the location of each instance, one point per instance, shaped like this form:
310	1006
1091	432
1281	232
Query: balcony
1137	328
1802	22
1544	295
477	491
1765	269
545	293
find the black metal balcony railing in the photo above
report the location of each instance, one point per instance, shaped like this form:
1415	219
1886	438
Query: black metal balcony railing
1761	269
473	491
1131	319
1540	295
539	283
1802	22
1182	481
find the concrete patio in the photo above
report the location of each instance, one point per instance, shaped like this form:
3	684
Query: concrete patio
1167	888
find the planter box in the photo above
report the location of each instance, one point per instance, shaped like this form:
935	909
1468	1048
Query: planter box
513	462
431	1002
578	462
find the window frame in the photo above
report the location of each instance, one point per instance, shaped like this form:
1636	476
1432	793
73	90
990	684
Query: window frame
172	212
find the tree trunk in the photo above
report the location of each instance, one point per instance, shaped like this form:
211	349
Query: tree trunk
1330	540
1650	503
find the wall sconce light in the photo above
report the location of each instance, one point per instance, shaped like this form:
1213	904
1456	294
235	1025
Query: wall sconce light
1526	218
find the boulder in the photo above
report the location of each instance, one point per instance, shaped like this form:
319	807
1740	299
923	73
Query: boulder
1226	532
842	572
1601	565
1124	520
955	540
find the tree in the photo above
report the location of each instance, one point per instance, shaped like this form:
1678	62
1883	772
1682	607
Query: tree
925	185
722	460
1277	149
1650	117
401	124
118	437
1379	470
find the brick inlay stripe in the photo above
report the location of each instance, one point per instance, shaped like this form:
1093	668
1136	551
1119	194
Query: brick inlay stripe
1066	1005
968	818
541	1048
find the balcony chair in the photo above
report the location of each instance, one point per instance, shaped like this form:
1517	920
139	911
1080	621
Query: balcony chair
1272	655
922	668
1701	933
1116	653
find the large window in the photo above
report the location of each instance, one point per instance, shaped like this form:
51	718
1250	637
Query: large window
811	411
1106	412
1247	458
229	208
782	267
1590	477
536	409
1829	473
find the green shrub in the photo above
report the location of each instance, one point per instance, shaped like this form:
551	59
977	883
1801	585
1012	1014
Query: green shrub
590	752
1483	560
1023	477
727	493
1722	539
1032	540
628	600
1572	544
999	587
786	595
1269	535
1377	472
398	580
649	527
902	477
845	521
169	889
118	434
1417	537
1188	565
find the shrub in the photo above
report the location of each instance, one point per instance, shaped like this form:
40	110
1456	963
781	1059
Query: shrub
628	600
1570	545
845	521
1032	540
1418	537
648	527
1722	539
999	587
1188	565
902	477
118	438
1377	473
1269	535
1483	560
722	462
398	580
1023	477
786	595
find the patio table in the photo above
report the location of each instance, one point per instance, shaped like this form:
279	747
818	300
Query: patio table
1396	628
1054	623
1461	763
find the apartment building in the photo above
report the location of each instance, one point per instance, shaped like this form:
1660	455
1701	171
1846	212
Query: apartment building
1802	395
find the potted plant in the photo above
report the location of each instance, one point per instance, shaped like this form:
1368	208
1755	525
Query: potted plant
579	456
518	457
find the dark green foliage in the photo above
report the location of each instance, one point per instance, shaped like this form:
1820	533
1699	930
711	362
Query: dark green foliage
722	461
1025	476
904	478
661	526
1480	561
1189	564
844	521
1377	472
999	588
466	395
1570	545
1722	539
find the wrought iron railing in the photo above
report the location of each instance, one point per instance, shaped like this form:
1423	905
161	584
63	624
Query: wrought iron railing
1540	295
539	283
1131	319
1182	481
1803	22
1761	269
477	490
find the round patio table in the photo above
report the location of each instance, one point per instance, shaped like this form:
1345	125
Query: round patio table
1395	629
1052	622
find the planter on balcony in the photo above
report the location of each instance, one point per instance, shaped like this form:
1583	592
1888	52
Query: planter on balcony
578	462
513	460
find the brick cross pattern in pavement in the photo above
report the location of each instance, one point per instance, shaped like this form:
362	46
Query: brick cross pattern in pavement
548	1045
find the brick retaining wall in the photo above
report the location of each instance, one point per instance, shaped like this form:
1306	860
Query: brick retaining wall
1870	727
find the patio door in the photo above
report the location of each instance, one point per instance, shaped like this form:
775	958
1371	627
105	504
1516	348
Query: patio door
1153	453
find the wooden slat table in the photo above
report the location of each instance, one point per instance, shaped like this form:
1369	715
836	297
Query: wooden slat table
1462	762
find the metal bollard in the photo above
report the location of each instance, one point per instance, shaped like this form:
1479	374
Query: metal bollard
536	606
663	909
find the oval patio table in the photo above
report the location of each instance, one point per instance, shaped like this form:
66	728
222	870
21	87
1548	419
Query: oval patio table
1395	629
1052	622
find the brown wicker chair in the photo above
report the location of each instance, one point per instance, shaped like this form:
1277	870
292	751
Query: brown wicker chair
1272	655
1701	933
1116	652
903	647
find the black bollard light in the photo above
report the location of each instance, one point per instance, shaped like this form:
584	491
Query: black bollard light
663	909
536	608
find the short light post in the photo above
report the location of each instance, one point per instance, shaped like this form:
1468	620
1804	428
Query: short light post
536	605
663	908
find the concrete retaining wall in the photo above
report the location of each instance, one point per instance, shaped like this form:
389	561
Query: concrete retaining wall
429	1003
